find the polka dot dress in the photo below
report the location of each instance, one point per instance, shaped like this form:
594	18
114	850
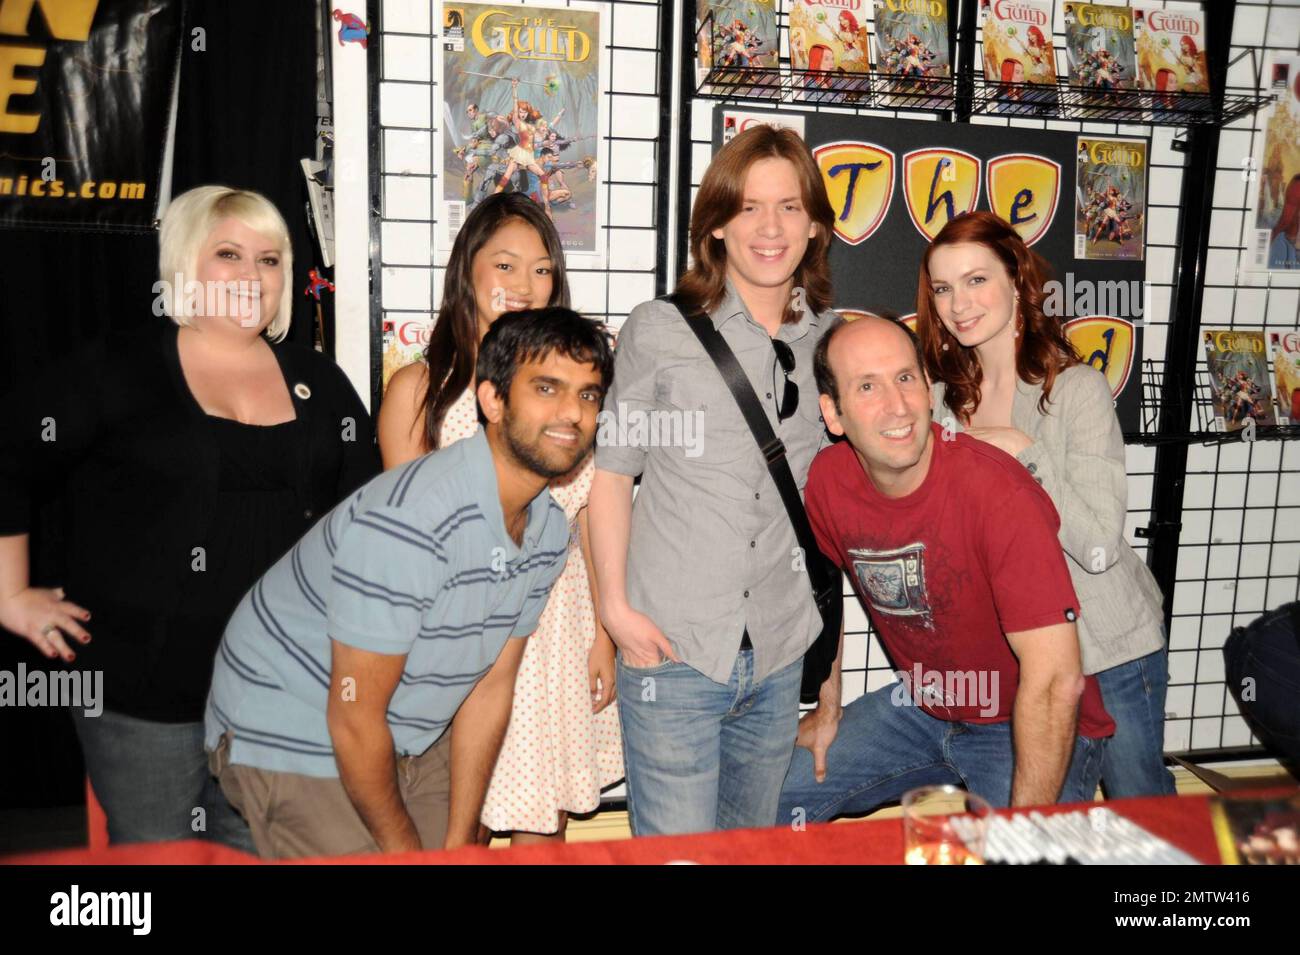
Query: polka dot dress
557	754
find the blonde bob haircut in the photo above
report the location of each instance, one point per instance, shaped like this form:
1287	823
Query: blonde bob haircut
188	221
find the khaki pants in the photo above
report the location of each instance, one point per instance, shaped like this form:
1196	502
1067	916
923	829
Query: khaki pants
293	816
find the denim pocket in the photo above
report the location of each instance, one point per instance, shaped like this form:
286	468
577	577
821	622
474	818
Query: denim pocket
662	665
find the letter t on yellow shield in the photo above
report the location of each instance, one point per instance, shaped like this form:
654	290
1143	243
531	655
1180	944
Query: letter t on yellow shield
1023	189
859	180
939	184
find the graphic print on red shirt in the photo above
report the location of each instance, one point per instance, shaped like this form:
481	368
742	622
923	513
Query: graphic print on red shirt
894	580
948	570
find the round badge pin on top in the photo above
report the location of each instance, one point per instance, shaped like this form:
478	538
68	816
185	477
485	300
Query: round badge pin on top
302	391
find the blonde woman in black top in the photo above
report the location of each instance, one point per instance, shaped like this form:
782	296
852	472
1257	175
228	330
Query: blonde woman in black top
191	456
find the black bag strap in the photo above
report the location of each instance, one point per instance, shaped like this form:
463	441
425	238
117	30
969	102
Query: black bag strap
771	447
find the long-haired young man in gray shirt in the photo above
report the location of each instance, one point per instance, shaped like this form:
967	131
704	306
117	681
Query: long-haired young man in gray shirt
701	583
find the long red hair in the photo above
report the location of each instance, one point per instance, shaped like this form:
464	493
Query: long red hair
1042	350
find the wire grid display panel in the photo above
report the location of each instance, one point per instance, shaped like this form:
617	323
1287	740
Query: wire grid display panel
410	111
1239	553
1164	193
866	666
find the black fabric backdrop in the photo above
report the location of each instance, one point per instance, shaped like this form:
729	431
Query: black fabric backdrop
246	116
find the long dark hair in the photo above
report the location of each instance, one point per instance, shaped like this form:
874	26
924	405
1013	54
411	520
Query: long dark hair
453	343
1042	350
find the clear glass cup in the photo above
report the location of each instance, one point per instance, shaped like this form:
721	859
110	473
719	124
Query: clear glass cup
944	825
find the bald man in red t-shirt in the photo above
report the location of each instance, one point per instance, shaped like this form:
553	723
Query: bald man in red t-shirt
952	547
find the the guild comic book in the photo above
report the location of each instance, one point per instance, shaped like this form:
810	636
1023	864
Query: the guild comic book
1285	350
830	50
912	63
1237	365
1110	195
1099	50
1018	54
737	47
1275	219
523	109
1170	50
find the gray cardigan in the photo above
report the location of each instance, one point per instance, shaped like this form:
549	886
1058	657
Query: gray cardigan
1078	458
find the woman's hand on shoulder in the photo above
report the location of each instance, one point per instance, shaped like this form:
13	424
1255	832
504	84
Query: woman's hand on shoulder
401	415
1010	440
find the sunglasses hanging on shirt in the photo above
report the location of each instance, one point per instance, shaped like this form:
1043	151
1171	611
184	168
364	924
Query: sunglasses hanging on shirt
790	397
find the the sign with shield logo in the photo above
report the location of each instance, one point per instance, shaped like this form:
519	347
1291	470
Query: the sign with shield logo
1024	189
859	180
939	184
1105	343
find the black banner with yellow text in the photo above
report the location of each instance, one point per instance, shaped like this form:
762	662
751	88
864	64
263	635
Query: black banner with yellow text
85	99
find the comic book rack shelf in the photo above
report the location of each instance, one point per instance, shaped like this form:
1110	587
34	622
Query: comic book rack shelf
968	93
778	86
1199	412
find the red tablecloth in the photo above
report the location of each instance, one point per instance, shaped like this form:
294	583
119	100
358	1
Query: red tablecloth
1183	821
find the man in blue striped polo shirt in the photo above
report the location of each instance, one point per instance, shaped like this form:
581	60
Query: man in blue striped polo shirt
342	669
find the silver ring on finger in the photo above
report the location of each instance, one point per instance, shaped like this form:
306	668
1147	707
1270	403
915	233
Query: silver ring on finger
48	629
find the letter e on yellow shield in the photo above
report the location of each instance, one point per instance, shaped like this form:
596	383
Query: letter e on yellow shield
1106	344
859	180
938	185
1023	189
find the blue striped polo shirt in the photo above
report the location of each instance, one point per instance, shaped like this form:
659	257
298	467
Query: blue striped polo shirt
416	562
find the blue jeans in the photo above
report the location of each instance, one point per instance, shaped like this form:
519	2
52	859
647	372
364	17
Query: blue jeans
151	777
1267	654
1134	696
882	750
700	755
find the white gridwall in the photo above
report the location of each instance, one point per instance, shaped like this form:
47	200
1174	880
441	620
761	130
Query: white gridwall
1240	546
410	107
1239	553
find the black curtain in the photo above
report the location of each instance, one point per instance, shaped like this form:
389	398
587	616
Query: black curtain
246	116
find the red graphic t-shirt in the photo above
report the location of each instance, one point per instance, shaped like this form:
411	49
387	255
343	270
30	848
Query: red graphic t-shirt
947	571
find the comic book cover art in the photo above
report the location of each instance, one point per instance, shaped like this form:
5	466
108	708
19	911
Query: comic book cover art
1018	51
735	36
1099	48
1110	190
829	50
912	51
1275	243
735	122
1285	348
1170	50
1237	366
404	341
523	104
1257	830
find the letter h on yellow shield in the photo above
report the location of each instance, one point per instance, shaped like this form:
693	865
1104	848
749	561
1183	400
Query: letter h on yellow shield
1023	189
859	180
939	185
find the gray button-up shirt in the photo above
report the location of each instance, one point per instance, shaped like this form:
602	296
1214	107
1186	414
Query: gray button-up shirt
712	549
